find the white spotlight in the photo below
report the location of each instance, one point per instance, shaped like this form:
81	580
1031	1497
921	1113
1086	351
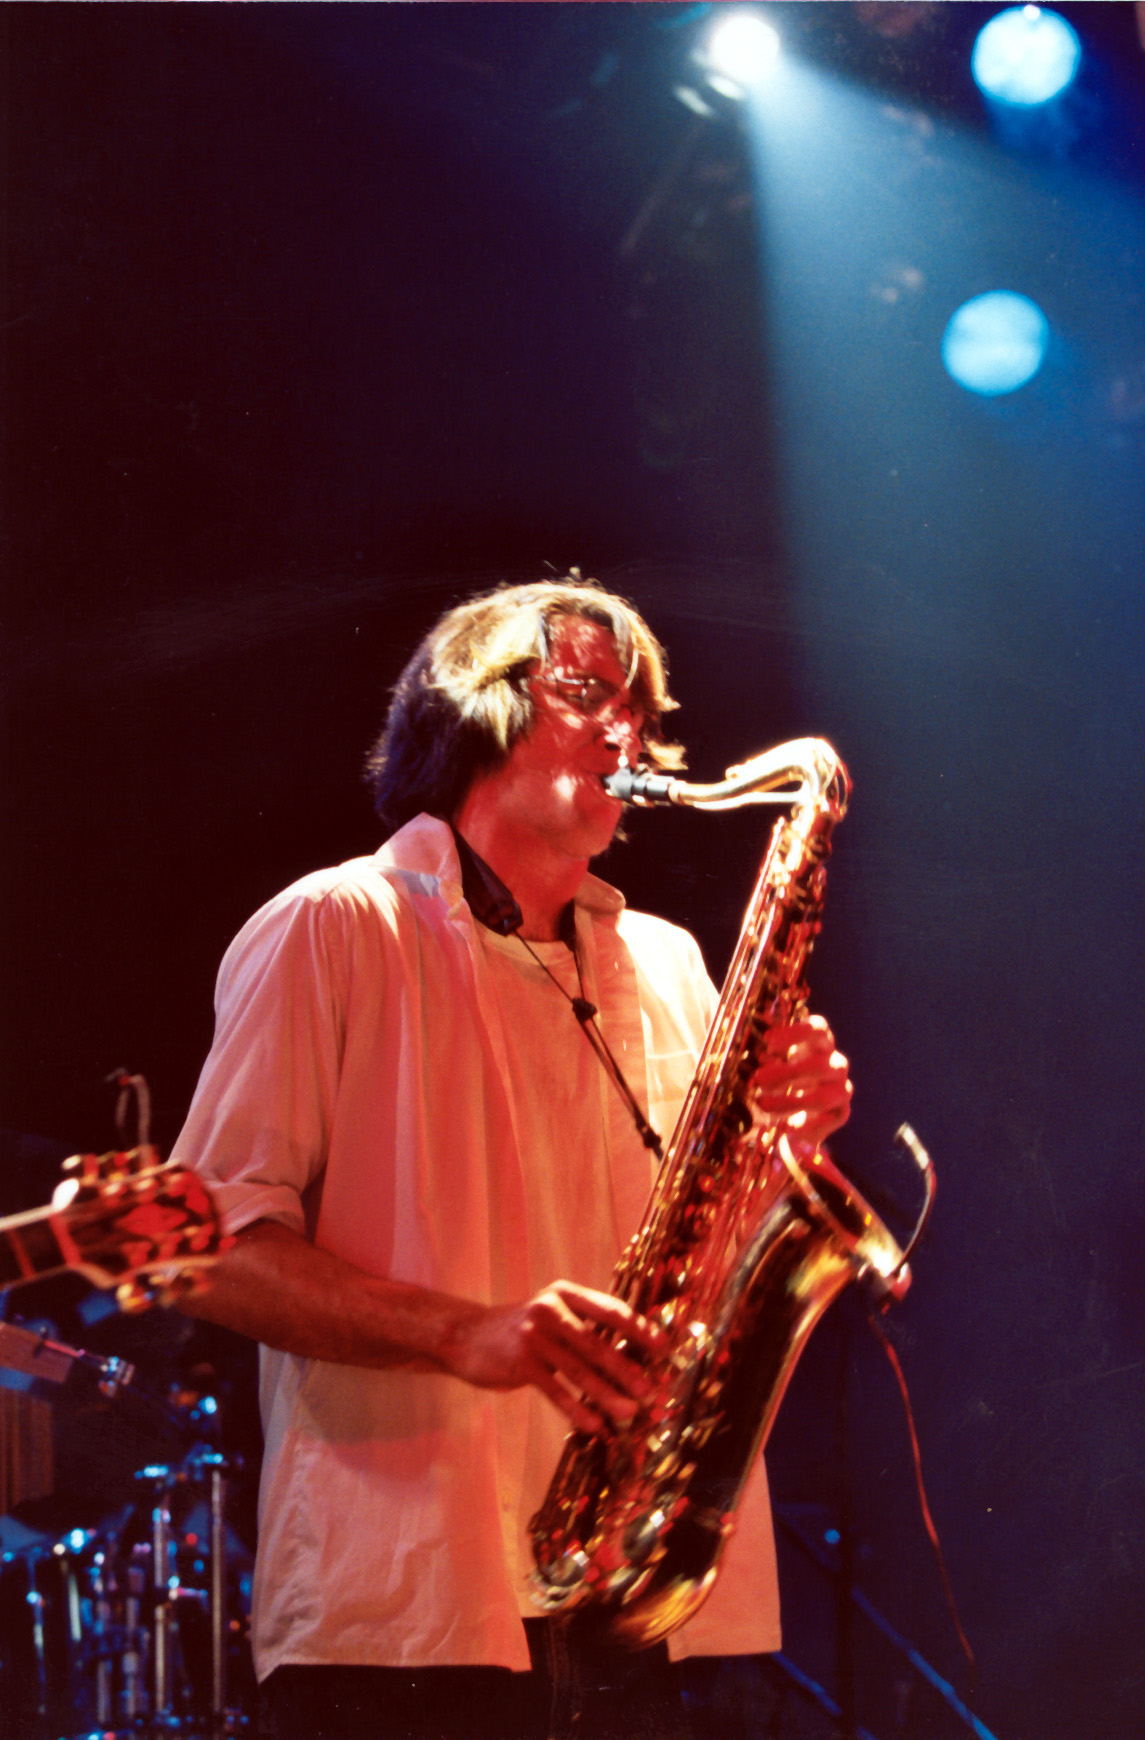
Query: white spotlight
741	51
1025	55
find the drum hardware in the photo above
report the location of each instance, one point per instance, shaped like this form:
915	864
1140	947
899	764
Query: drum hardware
125	1630
218	1489
96	1628
207	1469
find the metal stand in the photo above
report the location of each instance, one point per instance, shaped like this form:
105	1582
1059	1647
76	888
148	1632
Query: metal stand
218	1587
848	1595
207	1469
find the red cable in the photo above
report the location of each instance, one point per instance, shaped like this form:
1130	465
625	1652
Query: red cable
928	1520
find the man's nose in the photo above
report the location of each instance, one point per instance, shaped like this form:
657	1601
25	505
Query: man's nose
623	731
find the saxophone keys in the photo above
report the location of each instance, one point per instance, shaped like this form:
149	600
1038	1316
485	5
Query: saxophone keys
643	1536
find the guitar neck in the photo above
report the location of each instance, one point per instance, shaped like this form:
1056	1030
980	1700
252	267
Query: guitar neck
33	1244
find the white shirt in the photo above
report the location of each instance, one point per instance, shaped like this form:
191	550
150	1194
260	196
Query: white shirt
364	1087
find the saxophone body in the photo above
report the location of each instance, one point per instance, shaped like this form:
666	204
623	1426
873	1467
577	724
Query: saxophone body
741	1251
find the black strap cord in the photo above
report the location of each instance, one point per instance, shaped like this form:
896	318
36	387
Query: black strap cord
586	1014
494	906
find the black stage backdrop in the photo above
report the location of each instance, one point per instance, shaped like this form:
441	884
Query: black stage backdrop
319	317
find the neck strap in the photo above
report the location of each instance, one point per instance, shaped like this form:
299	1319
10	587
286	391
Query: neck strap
492	904
488	899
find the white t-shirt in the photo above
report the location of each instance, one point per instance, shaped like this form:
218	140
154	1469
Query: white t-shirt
371	1084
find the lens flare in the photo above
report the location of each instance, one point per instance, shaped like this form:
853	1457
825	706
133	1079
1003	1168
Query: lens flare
1025	56
742	48
995	343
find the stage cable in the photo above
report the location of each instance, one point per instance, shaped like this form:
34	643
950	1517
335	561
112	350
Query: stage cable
928	1521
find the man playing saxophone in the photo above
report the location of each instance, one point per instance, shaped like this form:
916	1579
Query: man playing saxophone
426	1112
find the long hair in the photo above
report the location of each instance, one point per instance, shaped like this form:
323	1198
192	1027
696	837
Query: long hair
463	700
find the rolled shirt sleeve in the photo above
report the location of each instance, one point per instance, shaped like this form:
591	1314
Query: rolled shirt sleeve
260	1121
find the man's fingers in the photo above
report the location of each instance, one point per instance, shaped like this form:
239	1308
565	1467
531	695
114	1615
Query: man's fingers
800	1060
802	1081
609	1312
780	1089
587	1384
814	1032
815	1053
604	1328
572	1335
573	1406
586	1357
586	1379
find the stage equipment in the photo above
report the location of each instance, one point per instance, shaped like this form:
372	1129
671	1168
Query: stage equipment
128	1623
130	1626
742	1249
45	1361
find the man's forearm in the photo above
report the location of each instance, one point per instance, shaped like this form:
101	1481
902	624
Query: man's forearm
278	1288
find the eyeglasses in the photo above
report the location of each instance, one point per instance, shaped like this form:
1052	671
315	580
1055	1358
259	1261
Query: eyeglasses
594	697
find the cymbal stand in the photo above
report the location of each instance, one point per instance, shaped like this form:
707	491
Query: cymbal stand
215	1464
162	1711
209	1468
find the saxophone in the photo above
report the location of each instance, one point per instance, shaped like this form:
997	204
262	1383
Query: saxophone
741	1251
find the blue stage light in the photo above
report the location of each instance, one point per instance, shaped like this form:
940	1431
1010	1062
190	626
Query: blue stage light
995	343
1025	55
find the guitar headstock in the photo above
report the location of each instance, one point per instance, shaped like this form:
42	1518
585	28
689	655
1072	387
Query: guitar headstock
127	1221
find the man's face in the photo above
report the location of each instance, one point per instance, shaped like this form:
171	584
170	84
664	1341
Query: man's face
551	785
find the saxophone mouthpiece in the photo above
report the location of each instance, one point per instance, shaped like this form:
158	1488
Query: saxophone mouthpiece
638	786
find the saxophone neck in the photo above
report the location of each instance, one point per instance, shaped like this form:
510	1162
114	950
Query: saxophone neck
806	771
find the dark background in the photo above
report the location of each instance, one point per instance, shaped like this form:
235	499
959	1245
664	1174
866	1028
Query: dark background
319	317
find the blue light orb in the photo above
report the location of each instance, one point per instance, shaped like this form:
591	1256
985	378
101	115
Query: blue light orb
741	50
995	343
1025	56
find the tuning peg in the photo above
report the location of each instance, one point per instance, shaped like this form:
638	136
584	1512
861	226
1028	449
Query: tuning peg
136	1295
182	1285
144	1158
145	1291
82	1171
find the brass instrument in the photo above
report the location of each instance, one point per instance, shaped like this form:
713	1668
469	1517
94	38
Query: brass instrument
742	1249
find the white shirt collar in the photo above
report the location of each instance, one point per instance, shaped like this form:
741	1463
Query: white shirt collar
426	845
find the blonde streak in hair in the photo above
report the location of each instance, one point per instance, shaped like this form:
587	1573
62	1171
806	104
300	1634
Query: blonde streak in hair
649	661
513	642
491	699
494	707
462	662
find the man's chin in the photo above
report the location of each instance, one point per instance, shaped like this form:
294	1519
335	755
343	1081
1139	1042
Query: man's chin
605	834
